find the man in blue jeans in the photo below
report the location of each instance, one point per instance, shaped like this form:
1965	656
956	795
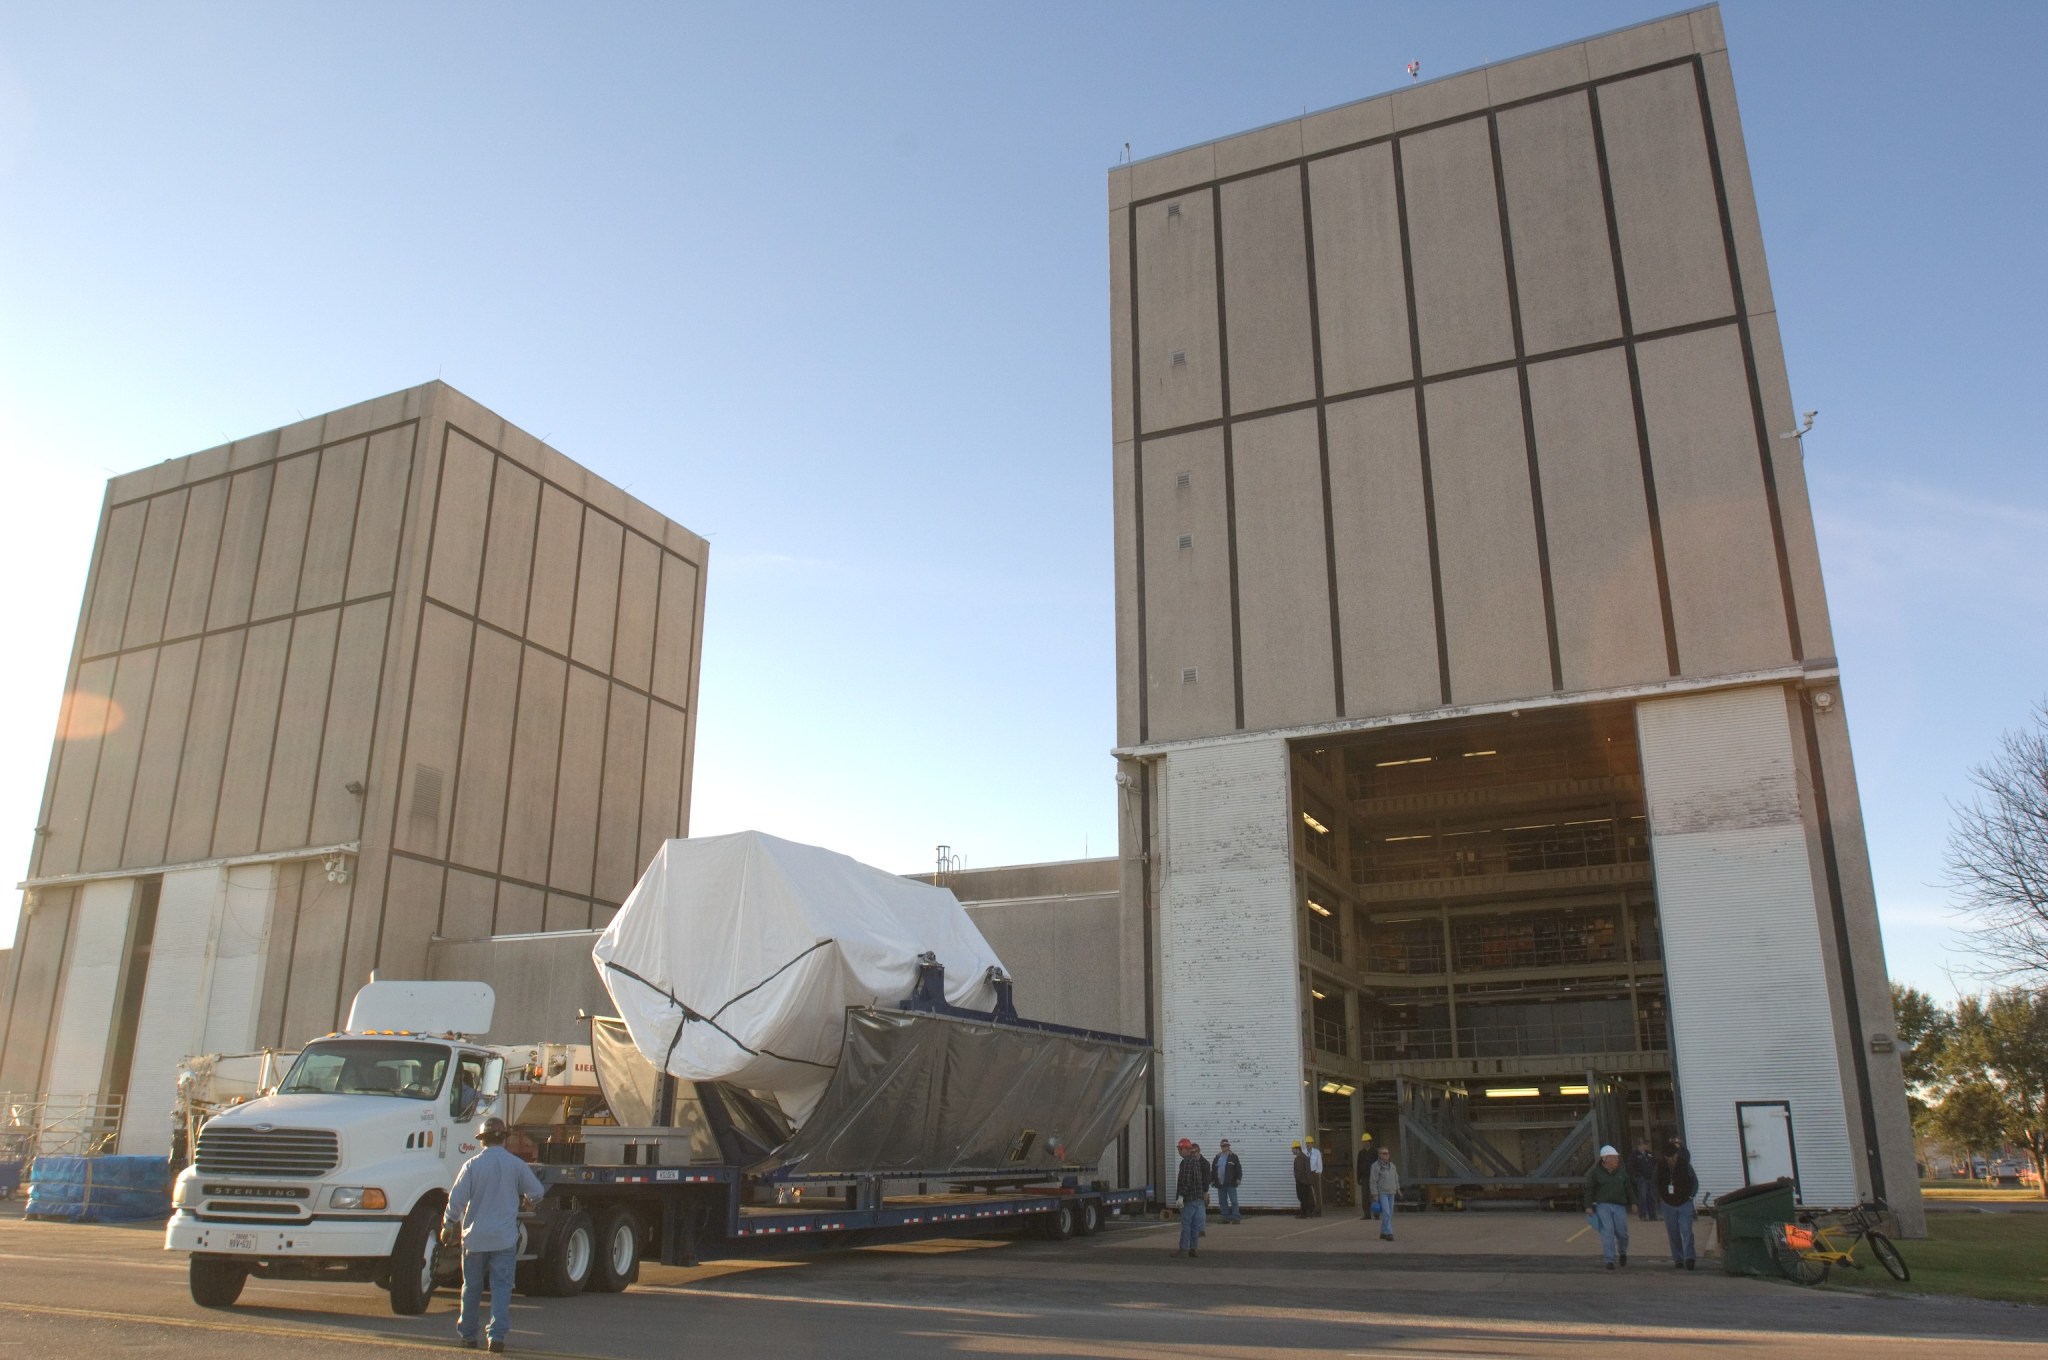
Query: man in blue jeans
1229	1174
1191	1188
483	1216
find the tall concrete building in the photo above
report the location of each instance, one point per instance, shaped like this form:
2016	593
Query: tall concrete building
397	673
1486	767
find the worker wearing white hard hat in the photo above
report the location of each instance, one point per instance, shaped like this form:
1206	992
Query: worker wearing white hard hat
1610	1194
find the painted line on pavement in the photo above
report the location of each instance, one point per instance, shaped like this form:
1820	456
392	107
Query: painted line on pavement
381	1340
749	1296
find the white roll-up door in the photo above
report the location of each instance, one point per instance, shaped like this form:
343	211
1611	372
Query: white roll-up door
1751	1017
1230	1035
94	953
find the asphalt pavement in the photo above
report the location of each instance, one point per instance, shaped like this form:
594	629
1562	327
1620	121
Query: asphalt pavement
1451	1287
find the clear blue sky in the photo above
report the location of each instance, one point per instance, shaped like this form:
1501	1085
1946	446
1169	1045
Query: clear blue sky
828	284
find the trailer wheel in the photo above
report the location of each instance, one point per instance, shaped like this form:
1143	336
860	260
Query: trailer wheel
217	1284
412	1259
1059	1224
1087	1217
617	1238
572	1250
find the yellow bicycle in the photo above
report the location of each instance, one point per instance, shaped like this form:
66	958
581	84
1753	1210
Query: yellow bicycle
1805	1251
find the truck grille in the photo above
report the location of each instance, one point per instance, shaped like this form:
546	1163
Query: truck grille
273	1152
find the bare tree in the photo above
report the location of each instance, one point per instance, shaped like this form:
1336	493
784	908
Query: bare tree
1998	855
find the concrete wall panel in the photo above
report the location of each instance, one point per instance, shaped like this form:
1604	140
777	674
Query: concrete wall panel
198	548
1671	244
1123	477
521	909
284	537
245	774
106	823
566	913
597	592
639	597
380	514
241	542
508	549
315	999
557	547
1564	266
277	971
1725	595
460	516
1265	289
92	975
241	949
1283	572
674	632
536	743
1187	590
661	782
412	910
206	747
541	984
1461	285
154	563
577	786
1795	509
351	709
1120	323
618	825
1742	218
301	728
470	903
1610	627
440	677
38	966
1361	293
107	616
1486	540
1177	313
330	537
82	727
1386	605
163	742
478	813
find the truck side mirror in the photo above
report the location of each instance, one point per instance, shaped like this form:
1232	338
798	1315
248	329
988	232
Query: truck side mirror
494	1081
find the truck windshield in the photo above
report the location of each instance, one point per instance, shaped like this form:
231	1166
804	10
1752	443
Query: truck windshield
368	1067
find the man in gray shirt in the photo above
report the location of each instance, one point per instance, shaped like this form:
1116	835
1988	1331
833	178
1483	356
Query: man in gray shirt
483	1216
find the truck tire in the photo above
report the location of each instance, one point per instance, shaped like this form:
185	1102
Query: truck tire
412	1259
217	1283
1059	1224
617	1239
1087	1217
572	1251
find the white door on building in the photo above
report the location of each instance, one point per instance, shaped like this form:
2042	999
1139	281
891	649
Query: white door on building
1766	1129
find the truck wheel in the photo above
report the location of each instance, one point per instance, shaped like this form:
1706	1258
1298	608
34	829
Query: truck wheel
617	1237
1059	1224
217	1284
572	1251
412	1260
1087	1217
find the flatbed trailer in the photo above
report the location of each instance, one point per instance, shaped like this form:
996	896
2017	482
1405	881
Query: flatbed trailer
596	1224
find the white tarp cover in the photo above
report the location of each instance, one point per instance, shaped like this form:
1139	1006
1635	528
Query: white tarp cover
767	942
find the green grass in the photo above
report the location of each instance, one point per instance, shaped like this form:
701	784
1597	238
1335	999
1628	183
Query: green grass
1983	1256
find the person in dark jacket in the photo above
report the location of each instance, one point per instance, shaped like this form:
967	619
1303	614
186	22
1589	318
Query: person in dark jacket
1677	1188
1362	1164
1228	1173
1191	1188
1642	1169
1609	1196
1304	1184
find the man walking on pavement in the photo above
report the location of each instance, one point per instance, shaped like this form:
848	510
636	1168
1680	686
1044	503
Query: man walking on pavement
1608	1192
1315	1172
1384	1182
1304	1190
483	1219
1191	1188
1228	1174
1642	1169
1676	1186
1362	1167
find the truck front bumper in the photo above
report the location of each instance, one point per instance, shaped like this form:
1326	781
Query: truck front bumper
320	1237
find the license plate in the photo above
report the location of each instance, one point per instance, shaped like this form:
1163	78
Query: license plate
241	1241
668	1175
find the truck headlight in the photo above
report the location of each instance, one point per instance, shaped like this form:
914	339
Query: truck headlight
185	1191
355	1197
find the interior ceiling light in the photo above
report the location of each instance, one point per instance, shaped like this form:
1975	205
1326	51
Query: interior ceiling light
1574	1090
1317	995
1420	836
1412	760
1512	1092
1315	825
1318	908
1470	754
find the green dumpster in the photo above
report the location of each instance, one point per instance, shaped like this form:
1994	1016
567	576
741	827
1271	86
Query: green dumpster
1744	1216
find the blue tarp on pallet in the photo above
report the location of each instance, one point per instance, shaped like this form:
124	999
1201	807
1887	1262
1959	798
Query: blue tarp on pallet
100	1189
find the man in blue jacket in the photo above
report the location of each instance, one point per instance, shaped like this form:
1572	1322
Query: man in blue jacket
1229	1174
483	1217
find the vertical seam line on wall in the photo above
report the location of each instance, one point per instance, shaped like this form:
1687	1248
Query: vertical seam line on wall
141	749
242	659
1436	571
1507	253
1229	461
1137	478
355	520
1635	386
199	656
419	629
177	547
1837	910
1315	339
1749	369
185	726
604	749
641	853
518	697
291	637
319	457
483	561
562	728
690	684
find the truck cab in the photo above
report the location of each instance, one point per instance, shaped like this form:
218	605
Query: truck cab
343	1171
